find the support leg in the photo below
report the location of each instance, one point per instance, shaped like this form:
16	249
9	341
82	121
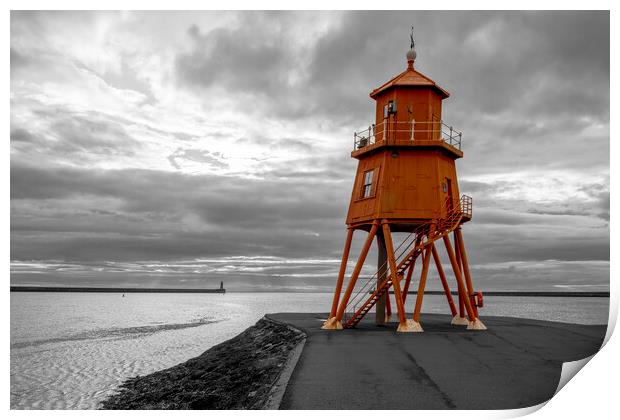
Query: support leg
408	281
410	273
354	276
388	307
462	318
459	279
403	325
422	285
341	273
444	281
470	288
461	313
382	270
476	324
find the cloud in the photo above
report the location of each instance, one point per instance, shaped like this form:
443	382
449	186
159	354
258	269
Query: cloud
545	193
17	60
272	60
157	215
235	59
143	142
197	156
65	136
165	214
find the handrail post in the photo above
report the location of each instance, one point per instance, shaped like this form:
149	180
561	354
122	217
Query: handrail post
384	130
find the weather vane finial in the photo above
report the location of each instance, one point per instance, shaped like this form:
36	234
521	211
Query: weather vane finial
411	54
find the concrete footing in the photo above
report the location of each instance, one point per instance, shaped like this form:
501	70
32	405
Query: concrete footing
476	325
409	326
332	324
457	320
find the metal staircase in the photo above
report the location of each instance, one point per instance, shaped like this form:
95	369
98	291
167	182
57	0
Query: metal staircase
416	242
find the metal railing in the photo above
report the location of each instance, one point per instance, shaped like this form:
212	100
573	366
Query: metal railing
466	206
407	131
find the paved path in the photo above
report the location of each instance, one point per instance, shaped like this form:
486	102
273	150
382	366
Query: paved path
515	363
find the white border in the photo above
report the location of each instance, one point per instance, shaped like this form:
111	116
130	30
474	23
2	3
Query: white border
591	394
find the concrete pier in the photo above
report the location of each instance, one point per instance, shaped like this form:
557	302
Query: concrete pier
516	363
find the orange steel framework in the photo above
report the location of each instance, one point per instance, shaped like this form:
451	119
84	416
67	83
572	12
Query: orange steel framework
406	182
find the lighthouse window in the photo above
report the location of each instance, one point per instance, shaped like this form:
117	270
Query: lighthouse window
367	187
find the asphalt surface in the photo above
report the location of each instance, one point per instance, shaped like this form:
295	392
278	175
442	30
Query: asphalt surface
516	363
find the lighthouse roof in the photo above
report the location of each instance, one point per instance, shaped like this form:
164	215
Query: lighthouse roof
410	77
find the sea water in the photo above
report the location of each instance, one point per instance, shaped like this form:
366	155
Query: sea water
71	350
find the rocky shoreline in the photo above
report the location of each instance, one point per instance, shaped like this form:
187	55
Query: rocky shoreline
241	373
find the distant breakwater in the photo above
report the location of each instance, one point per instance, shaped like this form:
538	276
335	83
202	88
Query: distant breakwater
110	290
532	294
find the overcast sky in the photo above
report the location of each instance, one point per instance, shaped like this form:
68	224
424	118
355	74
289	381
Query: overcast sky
181	149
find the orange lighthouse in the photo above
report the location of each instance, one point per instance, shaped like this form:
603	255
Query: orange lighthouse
406	183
